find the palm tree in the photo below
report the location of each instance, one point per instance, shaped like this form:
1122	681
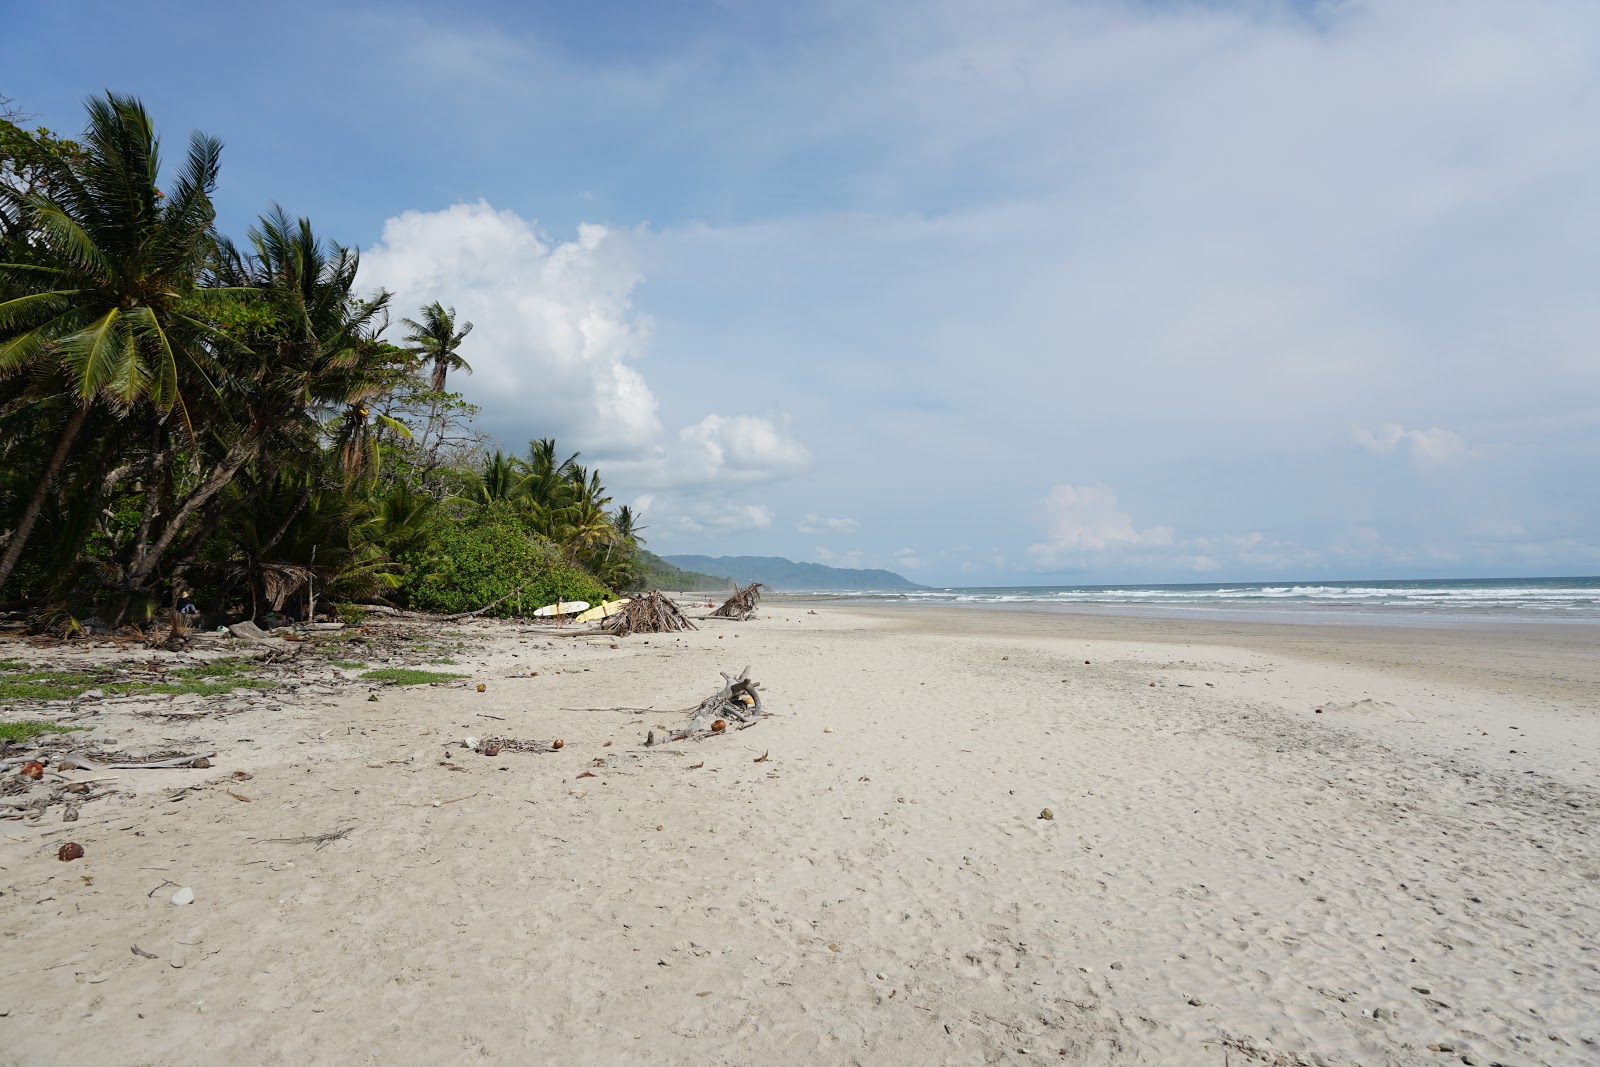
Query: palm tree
499	479
626	523
96	308
299	372
436	340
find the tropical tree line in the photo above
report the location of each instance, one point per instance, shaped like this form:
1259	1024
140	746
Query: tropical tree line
186	419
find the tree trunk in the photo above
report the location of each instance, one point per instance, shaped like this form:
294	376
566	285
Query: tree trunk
30	514
145	560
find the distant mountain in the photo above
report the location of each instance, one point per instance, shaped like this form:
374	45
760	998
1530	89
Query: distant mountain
783	574
660	574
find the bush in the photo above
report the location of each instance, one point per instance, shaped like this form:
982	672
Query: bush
351	614
473	565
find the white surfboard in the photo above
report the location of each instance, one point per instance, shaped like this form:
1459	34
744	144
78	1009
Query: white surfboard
603	611
561	607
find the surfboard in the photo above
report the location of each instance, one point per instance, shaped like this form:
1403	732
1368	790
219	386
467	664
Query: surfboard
561	607
602	611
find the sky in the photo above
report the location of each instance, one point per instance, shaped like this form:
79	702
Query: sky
987	293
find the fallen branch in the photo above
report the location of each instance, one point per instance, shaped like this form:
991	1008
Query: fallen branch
198	762
493	746
494	604
313	839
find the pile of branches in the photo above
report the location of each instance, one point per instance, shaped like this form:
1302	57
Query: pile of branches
742	604
652	613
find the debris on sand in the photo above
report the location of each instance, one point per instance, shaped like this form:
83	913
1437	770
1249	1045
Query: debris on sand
652	613
742	604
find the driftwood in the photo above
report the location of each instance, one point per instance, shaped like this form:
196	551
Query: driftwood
486	607
493	746
200	761
319	840
739	699
652	613
741	605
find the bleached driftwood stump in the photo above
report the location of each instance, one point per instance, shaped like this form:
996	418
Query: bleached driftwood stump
739	699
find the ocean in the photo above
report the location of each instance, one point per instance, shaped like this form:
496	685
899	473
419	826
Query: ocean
1543	599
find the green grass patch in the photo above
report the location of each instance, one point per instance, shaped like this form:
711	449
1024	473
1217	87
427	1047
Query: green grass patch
409	676
17	732
441	662
206	679
347	664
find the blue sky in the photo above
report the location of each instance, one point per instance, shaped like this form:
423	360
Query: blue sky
988	293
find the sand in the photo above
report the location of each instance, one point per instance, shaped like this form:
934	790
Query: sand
1230	876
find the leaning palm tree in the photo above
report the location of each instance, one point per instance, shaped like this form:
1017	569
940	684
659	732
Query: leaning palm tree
96	307
436	340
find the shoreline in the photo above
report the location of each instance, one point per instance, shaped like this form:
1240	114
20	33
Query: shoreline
1227	873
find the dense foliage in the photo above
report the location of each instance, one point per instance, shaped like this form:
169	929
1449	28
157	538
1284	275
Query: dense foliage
181	416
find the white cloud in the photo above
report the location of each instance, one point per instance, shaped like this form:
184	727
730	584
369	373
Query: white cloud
1427	449
717	520
820	524
738	448
555	331
553	348
1085	519
907	558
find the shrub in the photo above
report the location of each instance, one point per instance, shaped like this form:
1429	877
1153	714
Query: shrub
473	565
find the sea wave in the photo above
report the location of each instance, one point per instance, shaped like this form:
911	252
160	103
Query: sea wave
1575	596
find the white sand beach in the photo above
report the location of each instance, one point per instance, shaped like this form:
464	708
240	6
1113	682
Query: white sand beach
1407	876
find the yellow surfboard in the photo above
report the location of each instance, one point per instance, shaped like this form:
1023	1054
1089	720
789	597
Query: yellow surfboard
602	611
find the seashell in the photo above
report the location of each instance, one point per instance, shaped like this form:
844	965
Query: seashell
201	764
69	851
1046	813
482	687
32	769
719	725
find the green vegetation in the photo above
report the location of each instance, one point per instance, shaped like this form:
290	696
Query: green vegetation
409	676
18	732
660	574
17	682
347	664
181	415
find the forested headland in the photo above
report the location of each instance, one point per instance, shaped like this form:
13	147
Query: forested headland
189	419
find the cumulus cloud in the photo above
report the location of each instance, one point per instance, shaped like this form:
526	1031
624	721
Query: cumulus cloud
555	339
1085	519
556	333
1427	449
738	447
821	524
